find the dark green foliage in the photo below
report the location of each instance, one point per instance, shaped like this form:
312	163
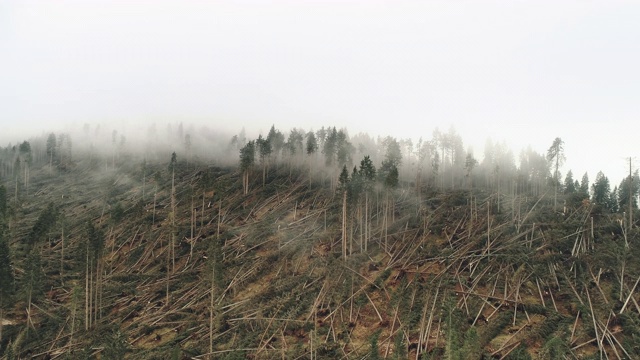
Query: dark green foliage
3	202
374	352
247	156
367	172
6	272
399	347
602	191
116	345
629	188
520	353
264	148
584	185
117	213
295	142
275	139
95	241
391	179
556	348
471	348
453	328
548	328
173	162
495	327
25	150
32	283
43	225
569	184
630	322
176	352
343	180
9	354
312	143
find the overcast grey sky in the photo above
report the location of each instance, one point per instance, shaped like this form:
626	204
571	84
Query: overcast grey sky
522	71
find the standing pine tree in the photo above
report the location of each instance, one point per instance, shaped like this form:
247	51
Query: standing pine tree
51	150
584	186
628	191
601	190
311	148
555	154
247	159
264	149
343	187
390	184
368	178
569	184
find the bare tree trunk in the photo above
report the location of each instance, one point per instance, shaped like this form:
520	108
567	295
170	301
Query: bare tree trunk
62	257
366	221
264	174
29	308
144	176
385	222
173	221
211	314
219	217
193	224
153	217
86	292
344	225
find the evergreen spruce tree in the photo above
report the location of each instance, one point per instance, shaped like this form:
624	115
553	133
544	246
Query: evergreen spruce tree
569	184
601	191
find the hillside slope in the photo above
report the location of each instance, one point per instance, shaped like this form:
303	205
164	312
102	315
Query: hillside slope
113	262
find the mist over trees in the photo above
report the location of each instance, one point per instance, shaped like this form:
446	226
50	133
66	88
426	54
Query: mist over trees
374	210
439	162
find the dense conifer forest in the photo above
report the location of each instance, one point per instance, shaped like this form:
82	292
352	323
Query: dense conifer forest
298	244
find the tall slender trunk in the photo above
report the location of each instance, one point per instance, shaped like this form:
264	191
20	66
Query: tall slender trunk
264	174
91	295
366	221
62	257
385	215
86	291
29	306
144	177
219	217
153	217
173	221
211	314
344	225
555	184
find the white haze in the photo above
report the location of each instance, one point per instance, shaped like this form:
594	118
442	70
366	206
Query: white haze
520	71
